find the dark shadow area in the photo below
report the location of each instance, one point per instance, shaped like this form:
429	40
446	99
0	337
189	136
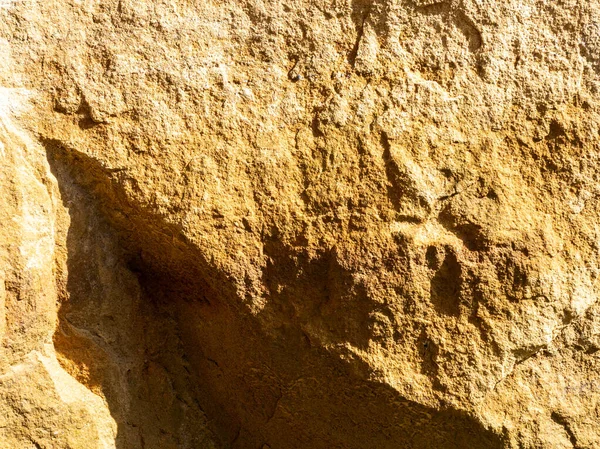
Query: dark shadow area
113	337
149	324
446	286
472	234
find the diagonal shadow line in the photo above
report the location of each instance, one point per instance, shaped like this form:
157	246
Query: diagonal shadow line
196	352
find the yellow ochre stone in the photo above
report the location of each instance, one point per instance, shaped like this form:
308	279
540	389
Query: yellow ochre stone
358	224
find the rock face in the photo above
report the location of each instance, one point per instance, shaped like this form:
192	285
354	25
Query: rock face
263	224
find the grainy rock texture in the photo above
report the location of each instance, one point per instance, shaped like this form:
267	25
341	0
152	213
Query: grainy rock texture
299	224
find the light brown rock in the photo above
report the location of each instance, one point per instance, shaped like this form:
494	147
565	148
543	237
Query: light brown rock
354	224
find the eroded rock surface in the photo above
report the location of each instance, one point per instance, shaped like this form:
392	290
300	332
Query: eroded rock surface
263	224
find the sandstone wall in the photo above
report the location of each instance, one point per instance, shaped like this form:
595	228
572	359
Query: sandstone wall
266	224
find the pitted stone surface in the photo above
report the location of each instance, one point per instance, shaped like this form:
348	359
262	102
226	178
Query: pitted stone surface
300	224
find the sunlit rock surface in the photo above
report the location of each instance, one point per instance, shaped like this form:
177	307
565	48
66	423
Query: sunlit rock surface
328	224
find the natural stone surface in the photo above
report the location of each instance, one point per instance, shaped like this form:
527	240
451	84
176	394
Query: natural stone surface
263	224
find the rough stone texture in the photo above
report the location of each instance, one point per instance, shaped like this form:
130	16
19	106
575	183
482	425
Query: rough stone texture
264	224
